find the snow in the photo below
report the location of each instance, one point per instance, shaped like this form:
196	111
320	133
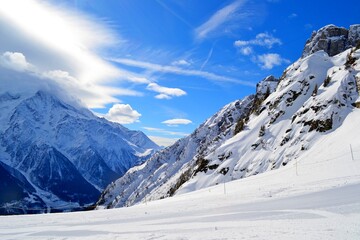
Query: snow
294	122
165	167
318	201
307	187
93	149
315	197
288	138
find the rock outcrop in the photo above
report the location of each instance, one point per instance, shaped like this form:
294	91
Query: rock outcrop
332	39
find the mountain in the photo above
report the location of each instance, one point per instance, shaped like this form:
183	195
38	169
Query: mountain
332	39
58	156
281	122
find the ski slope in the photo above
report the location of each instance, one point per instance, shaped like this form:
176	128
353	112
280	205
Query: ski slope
332	213
315	197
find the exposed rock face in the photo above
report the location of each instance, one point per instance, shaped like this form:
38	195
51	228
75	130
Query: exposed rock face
332	39
268	84
354	35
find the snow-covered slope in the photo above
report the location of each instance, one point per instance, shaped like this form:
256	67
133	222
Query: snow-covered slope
316	197
166	166
291	121
312	99
65	154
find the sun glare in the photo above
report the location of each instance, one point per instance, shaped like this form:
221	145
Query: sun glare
70	33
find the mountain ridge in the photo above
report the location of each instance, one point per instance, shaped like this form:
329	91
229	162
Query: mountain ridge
312	97
66	153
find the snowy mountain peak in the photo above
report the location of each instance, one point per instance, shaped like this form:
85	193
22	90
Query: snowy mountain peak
332	39
64	153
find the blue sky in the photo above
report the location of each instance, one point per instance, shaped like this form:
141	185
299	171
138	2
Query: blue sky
161	66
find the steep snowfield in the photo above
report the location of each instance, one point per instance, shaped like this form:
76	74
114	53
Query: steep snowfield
316	197
166	166
292	120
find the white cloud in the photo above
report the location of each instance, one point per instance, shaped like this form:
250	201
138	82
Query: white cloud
72	37
241	43
261	39
140	80
123	114
30	79
63	47
246	50
177	121
266	40
15	61
163	131
218	19
91	94
163	141
181	62
179	71
270	60
165	92
162	96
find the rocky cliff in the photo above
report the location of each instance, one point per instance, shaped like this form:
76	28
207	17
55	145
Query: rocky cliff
332	39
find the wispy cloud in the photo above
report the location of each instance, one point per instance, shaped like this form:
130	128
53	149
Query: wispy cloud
163	131
122	113
172	12
208	57
180	71
181	62
262	39
218	19
176	122
165	92
270	60
93	95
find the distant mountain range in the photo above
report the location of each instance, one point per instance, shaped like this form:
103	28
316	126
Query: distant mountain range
264	131
56	157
